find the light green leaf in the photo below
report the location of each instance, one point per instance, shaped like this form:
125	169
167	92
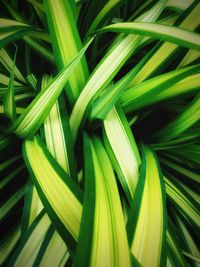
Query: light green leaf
59	194
111	63
171	34
161	87
34	115
66	44
104	234
58	134
122	150
167	51
147	218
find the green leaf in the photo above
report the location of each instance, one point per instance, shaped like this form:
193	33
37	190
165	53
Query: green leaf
27	250
32	206
179	6
104	234
37	46
58	134
102	106
161	87
108	67
190	57
147	218
182	170
174	251
122	149
11	30
168	51
183	201
8	244
59	194
9	99
187	239
7	62
11	202
171	34
105	13
66	44
182	122
53	250
13	174
34	115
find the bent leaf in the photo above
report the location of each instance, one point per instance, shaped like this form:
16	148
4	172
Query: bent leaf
171	34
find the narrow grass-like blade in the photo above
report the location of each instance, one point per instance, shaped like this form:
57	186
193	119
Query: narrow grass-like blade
147	218
188	240
8	244
160	88
173	248
7	62
7	206
182	122
179	6
183	201
190	57
179	168
37	46
10	176
53	248
9	99
11	30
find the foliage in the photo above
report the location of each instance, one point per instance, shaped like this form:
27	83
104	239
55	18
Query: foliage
99	133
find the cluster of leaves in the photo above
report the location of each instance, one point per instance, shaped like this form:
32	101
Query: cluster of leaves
99	133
